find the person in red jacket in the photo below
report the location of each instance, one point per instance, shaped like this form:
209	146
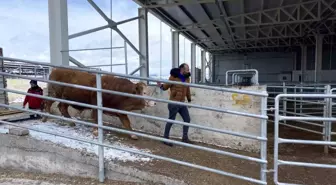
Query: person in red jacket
34	102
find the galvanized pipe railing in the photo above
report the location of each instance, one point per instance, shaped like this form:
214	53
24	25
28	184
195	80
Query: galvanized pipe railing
223	89
263	117
278	140
241	71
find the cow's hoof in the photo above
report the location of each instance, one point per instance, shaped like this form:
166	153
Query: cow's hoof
134	137
95	132
72	124
44	119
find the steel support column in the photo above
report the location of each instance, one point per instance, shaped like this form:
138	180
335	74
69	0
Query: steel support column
303	62
143	42
211	69
58	31
193	62
203	71
318	58
175	49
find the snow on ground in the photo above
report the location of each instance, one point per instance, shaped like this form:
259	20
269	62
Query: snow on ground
82	132
17	100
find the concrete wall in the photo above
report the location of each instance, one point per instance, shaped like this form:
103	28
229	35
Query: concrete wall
326	76
24	153
271	66
230	101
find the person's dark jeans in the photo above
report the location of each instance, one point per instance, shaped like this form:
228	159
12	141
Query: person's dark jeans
34	115
183	111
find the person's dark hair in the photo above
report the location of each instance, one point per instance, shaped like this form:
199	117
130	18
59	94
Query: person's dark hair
33	82
182	65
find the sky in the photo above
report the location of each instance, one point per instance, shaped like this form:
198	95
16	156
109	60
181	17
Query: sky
24	34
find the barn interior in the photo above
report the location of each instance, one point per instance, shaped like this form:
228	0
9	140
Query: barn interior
260	46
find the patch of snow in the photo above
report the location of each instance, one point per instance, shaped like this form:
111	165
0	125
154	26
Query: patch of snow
17	100
82	132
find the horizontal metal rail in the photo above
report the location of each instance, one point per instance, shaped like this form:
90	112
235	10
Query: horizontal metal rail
300	128
310	142
138	115
314	165
142	135
297	87
306	118
90	49
262	94
305	101
142	97
143	154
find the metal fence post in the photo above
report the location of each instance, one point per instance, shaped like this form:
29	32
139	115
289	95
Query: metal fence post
301	92
295	100
263	144
100	130
276	138
284	107
326	113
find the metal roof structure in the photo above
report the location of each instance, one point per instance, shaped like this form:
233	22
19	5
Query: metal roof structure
247	25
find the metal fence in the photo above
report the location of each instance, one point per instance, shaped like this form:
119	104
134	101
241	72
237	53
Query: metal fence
238	74
278	140
262	138
300	106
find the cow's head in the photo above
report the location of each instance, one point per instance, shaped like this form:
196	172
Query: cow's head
143	90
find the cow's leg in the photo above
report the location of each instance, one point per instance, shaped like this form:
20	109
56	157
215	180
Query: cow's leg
46	108
95	120
127	124
63	107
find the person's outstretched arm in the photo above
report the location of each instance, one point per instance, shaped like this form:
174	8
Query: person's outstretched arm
26	99
165	86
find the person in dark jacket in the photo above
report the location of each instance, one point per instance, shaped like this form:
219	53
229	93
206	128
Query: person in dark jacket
34	103
178	93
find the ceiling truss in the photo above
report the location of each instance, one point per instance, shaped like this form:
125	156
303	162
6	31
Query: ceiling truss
287	25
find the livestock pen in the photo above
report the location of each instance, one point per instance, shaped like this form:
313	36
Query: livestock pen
255	141
226	157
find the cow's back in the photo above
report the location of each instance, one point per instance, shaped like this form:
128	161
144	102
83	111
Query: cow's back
117	101
71	77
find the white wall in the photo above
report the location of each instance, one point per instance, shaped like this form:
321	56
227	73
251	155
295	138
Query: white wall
211	119
269	65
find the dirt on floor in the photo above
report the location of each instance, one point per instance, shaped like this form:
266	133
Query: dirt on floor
11	177
288	152
192	176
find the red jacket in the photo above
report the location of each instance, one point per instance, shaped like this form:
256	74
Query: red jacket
34	102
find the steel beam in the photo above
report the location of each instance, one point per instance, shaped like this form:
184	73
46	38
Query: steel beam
58	32
203	71
193	62
143	42
128	20
318	58
172	3
88	31
136	70
76	62
175	49
303	62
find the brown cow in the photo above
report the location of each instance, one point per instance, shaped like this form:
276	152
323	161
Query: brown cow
108	82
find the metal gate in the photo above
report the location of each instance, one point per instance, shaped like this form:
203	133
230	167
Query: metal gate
326	118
